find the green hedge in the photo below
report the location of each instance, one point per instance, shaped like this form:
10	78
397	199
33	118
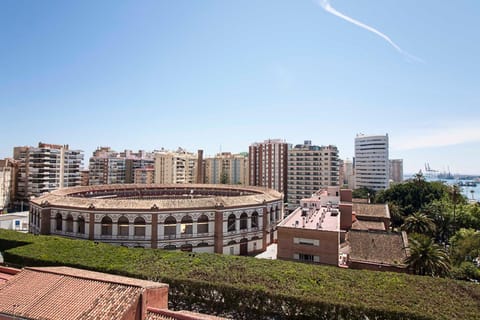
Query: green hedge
248	288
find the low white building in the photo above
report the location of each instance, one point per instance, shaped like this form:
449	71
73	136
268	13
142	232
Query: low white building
17	221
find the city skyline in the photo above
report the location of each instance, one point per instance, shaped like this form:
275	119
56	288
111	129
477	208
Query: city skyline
218	76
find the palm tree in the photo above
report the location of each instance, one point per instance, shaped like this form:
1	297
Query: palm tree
427	258
418	223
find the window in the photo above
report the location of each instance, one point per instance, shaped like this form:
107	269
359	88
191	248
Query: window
123	225
81	225
170	226
139	224
202	224
106	226
187	225
254	219
305	257
58	220
69	223
231	223
243	221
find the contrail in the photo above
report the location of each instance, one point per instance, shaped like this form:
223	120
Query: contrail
325	4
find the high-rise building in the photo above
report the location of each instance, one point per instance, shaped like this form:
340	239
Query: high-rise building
109	167
46	168
7	183
311	168
268	164
175	167
134	161
106	167
371	162
396	170
348	174
227	168
144	175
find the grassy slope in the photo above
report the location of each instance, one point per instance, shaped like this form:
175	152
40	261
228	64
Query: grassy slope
433	297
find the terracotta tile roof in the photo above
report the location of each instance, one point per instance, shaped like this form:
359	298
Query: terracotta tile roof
35	294
378	247
63	197
371	210
7	273
163	314
368	225
105	277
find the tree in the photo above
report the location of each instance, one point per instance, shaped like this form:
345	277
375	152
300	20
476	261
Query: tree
427	257
419	223
224	178
364	193
465	245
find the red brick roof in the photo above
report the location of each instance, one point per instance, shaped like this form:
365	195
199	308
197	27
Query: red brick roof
66	293
164	314
7	273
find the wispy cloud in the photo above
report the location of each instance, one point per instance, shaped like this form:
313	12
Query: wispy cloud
438	137
325	4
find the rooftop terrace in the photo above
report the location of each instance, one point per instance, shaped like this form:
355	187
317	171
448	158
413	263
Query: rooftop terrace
324	218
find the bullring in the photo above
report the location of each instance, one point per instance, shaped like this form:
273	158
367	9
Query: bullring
189	217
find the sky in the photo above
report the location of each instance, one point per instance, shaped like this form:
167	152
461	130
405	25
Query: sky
219	75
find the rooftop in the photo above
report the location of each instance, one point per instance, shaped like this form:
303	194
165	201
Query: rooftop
323	218
66	293
371	210
154	196
378	247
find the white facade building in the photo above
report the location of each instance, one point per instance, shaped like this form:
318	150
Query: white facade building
46	168
175	167
310	168
371	162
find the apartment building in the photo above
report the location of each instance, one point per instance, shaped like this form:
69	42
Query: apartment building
144	175
268	164
311	168
348	174
227	168
107	166
396	170
371	162
46	168
175	167
7	183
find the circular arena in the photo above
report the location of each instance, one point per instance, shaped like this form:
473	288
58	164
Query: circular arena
223	219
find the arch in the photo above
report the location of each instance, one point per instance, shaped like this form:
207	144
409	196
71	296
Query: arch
81	225
170	227
202	244
170	247
139	229
106	226
254	219
231	243
186	225
202	224
69	223
123	226
231	222
58	222
243	221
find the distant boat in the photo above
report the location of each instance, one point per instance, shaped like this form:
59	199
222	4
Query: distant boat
467	184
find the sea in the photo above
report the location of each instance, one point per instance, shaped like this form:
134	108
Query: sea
466	190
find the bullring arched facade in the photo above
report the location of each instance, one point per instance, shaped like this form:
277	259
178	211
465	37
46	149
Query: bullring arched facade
199	218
